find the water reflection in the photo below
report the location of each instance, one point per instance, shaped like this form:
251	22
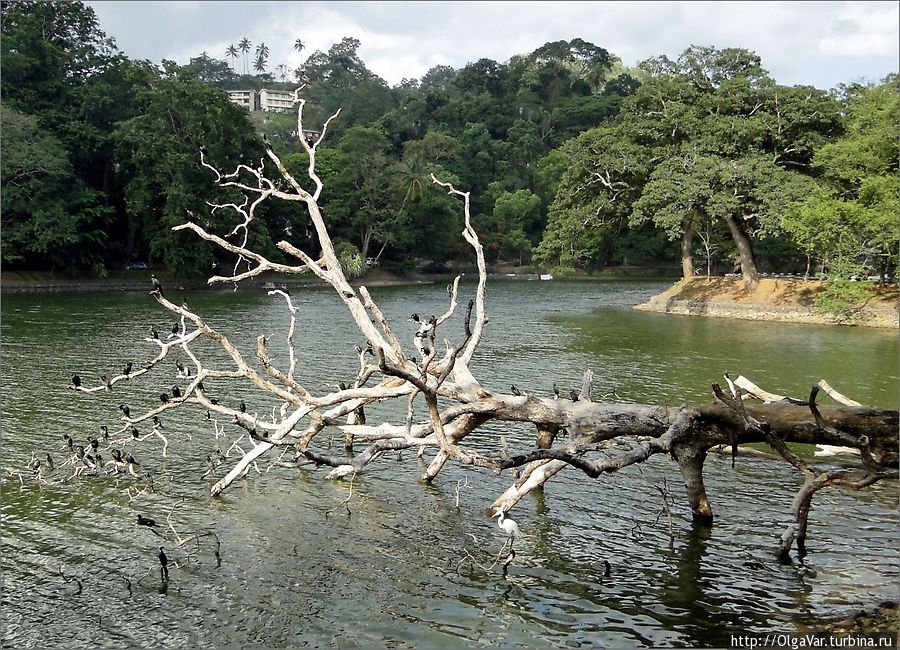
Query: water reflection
386	574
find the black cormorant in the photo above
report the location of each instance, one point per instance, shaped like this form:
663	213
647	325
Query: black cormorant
555	391
176	328
153	333
176	392
127	369
105	430
243	407
135	433
128	458
156	285
414	317
69	442
515	391
117	455
125	409
573	396
95	444
50	461
163	564
79	452
157	423
164	398
145	521
76	381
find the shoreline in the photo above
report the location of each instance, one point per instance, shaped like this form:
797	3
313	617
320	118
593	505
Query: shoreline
774	300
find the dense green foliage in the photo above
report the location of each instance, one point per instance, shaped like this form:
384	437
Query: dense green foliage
572	160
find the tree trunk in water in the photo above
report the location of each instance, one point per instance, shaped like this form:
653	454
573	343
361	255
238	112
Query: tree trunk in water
745	250
687	239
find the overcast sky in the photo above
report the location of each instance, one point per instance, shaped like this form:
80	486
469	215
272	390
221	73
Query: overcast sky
817	43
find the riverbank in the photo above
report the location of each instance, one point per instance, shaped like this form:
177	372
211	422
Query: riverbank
773	299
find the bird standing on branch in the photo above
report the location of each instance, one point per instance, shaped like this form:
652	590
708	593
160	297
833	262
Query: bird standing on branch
176	392
163	564
156	285
76	381
510	527
127	369
125	409
515	391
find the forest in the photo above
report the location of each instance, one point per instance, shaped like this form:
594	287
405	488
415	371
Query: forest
574	161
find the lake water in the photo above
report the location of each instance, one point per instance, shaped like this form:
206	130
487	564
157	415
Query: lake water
388	573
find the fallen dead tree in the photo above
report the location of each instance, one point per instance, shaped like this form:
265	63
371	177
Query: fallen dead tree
442	400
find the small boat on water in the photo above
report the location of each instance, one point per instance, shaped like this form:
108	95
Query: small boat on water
546	276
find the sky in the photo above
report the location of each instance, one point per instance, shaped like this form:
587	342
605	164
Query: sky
821	44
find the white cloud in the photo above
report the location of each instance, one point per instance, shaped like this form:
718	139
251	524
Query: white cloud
816	43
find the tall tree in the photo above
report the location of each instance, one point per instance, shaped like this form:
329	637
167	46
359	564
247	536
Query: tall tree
244	46
231	52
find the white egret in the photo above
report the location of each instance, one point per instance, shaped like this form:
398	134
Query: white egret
509	526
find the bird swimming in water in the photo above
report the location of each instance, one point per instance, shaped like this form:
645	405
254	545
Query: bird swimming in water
126	410
176	392
164	398
156	284
145	521
76	381
127	369
157	423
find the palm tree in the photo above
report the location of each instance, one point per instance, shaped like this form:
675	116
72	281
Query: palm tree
298	45
262	51
282	69
232	52
260	65
244	46
411	178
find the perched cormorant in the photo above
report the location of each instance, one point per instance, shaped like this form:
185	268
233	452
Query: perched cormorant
76	381
200	386
95	444
176	328
179	366
106	381
573	396
515	391
349	294
153	333
266	141
157	423
213	400
135	433
555	391
156	285
184	304
145	521
127	369
117	455
99	460
176	392
125	409
105	430
204	150
414	317
208	416
79	452
128	458
50	461
164	398
243	407
69	442
163	563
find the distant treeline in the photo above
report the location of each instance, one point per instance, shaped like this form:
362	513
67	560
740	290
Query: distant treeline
573	160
